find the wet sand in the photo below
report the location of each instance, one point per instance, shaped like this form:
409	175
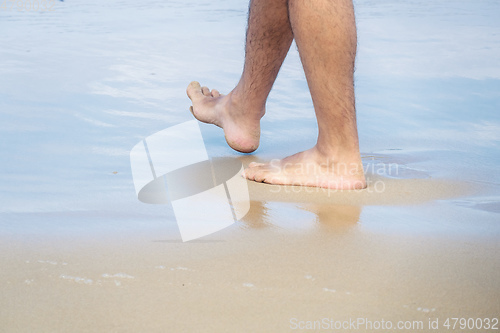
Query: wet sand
259	282
290	261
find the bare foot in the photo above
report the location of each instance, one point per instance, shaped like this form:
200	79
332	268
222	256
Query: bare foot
311	168
241	125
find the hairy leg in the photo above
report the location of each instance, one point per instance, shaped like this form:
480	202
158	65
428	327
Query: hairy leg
325	33
269	36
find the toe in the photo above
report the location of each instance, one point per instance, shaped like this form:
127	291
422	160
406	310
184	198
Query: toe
215	93
194	90
249	173
205	91
260	176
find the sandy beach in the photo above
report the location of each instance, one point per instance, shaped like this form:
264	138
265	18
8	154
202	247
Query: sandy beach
82	84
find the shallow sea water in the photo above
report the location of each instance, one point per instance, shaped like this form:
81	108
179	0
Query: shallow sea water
81	85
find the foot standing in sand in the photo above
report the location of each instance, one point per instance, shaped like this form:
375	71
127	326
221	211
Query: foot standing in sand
325	34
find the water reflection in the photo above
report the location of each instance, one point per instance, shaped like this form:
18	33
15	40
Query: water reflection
290	217
334	218
258	216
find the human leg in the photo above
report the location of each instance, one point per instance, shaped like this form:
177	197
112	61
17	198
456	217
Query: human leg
269	36
325	33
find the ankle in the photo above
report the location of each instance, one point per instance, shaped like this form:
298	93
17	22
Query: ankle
337	154
340	161
244	104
